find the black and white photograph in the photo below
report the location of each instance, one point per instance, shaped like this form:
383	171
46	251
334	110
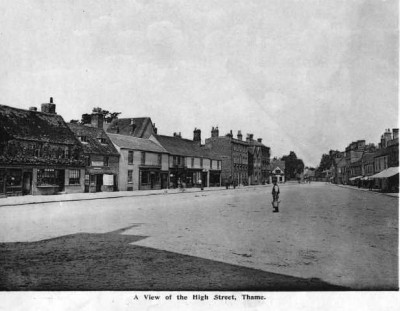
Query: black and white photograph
199	154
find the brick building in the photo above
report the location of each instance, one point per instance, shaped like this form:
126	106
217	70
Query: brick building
39	154
234	155
102	159
258	161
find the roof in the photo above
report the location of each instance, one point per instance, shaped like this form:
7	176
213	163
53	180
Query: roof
93	135
368	157
130	142
39	126
124	126
185	147
277	163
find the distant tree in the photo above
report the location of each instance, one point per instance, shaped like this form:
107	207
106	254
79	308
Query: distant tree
326	162
74	121
107	115
293	165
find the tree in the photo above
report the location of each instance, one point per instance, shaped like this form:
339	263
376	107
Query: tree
107	116
293	165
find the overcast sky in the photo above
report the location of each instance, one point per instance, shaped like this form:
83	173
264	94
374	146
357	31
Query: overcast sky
306	76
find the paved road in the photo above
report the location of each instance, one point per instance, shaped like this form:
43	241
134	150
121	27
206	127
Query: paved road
340	236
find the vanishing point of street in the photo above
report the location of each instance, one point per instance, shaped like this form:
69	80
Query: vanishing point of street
325	237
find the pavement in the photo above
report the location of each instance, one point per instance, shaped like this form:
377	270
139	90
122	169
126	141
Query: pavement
36	199
395	195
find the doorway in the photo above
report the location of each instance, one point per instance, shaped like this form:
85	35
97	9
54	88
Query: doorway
27	183
99	182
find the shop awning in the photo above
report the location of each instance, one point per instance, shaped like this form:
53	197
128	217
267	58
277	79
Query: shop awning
354	178
389	172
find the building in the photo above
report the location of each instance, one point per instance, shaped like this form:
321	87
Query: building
234	155
190	164
277	168
102	159
136	127
143	164
39	154
258	161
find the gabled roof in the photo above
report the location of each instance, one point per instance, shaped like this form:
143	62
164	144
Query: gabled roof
135	127
135	143
277	163
38	126
93	135
184	147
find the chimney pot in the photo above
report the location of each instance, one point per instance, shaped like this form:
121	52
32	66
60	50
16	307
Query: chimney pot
51	100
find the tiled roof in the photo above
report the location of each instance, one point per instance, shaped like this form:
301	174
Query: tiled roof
184	147
124	126
35	126
129	142
93	135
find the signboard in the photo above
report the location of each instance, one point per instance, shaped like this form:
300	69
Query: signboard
97	163
108	180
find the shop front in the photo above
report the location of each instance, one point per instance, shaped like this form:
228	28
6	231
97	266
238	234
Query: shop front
100	180
152	178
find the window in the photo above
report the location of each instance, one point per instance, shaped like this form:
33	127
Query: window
102	140
130	176
83	139
218	164
74	177
143	158
46	176
174	160
106	159
179	160
201	162
145	177
130	157
159	159
192	162
211	164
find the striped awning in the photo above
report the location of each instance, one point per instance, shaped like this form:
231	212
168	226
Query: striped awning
389	172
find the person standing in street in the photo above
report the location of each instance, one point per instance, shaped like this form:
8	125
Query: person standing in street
275	191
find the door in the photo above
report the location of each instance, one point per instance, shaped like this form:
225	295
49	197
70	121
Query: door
152	180
60	179
26	183
99	182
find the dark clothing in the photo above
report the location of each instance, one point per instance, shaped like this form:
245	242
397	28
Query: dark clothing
275	192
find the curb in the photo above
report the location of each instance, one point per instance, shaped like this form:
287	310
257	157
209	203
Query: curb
118	197
375	192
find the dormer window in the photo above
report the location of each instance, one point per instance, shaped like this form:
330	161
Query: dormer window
83	139
102	140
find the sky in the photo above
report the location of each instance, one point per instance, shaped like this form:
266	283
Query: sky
305	76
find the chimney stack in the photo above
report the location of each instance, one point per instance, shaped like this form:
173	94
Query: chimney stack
249	137
97	118
214	132
259	140
197	135
32	108
239	135
395	133
49	107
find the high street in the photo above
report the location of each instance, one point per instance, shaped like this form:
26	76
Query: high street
324	237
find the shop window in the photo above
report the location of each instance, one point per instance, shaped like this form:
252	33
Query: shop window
179	160
74	177
130	157
130	176
46	177
144	178
143	158
14	178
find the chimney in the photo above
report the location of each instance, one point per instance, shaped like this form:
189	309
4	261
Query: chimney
215	132
239	135
32	108
395	133
259	140
230	135
249	137
177	134
154	128
197	135
49	107
97	118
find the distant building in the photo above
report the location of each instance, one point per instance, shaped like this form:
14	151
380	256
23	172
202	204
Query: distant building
39	154
258	161
143	164
234	155
136	127
102	159
190	164
277	168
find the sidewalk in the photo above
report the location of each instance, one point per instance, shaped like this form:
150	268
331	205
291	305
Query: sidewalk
394	195
37	199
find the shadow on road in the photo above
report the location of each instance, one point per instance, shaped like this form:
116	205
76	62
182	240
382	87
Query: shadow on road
109	261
